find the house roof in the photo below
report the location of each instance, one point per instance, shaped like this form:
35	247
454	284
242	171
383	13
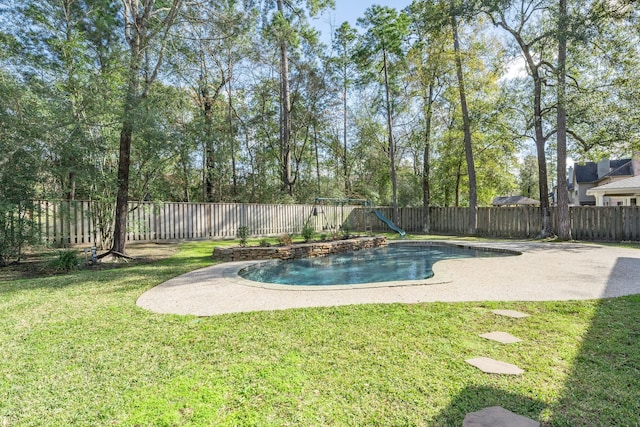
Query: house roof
620	168
629	185
588	172
514	200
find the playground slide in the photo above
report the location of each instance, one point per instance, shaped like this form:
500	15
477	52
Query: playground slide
389	223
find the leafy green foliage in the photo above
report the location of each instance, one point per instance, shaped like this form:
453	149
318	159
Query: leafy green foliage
264	243
285	239
209	126
243	234
345	231
17	230
20	169
308	232
67	260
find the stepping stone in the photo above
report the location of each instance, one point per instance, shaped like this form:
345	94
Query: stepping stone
497	417
491	366
501	337
510	313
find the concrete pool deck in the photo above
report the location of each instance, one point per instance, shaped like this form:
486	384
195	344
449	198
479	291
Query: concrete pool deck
544	272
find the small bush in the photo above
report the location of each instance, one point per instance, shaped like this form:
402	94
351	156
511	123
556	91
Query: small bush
264	243
67	260
323	236
286	239
243	235
17	230
346	231
308	232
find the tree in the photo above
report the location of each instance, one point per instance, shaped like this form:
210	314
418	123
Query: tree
468	147
528	177
345	45
19	168
428	58
146	30
287	34
217	41
382	48
533	40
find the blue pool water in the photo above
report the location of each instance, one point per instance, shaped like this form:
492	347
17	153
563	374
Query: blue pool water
391	263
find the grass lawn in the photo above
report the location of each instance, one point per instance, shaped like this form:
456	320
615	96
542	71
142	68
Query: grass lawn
76	350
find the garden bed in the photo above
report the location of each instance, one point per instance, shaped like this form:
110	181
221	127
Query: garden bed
300	250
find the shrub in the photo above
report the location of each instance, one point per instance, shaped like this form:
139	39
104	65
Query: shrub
346	231
67	260
264	243
308	232
286	239
16	231
243	235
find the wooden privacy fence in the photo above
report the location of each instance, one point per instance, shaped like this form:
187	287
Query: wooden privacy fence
83	222
616	223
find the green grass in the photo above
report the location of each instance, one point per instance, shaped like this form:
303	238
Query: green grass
76	350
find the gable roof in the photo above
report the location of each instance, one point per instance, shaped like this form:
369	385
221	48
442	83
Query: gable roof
514	200
624	185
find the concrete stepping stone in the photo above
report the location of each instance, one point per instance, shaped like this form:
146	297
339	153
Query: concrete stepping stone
497	416
510	313
491	366
501	337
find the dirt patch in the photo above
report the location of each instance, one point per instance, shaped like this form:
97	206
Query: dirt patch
145	252
39	263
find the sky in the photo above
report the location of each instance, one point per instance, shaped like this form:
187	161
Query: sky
350	10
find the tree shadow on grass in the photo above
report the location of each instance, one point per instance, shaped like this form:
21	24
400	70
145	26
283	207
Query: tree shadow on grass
476	398
603	385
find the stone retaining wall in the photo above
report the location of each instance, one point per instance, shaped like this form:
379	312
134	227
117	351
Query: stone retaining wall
303	250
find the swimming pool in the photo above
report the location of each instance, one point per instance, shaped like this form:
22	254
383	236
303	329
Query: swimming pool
396	262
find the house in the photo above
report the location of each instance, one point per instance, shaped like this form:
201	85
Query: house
584	177
625	192
514	201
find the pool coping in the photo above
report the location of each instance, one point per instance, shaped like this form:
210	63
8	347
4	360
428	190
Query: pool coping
233	276
546	271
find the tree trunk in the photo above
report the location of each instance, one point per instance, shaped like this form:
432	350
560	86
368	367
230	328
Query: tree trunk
457	189
426	166
471	168
209	158
347	185
122	198
392	153
564	226
232	136
132	101
285	114
317	155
